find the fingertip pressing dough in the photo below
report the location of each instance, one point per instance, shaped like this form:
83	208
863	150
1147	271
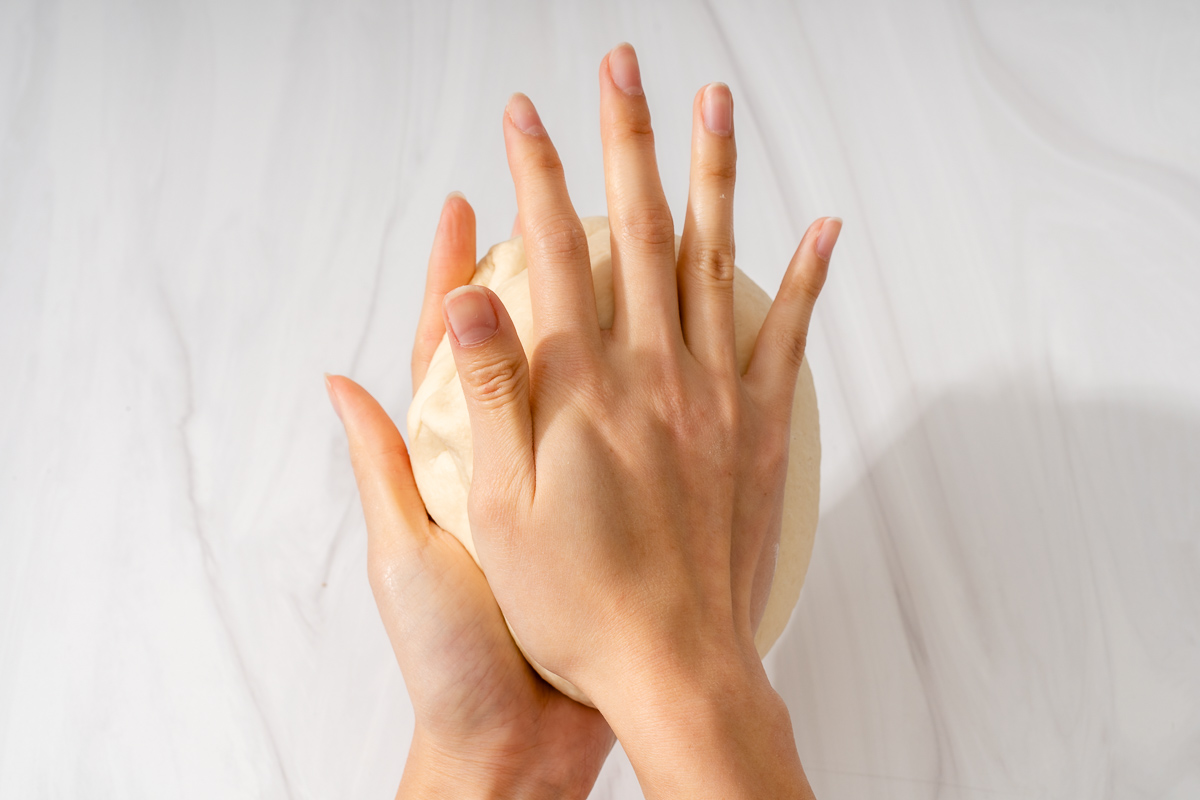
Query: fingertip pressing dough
439	428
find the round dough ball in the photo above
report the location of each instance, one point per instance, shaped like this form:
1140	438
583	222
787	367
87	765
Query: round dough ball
439	429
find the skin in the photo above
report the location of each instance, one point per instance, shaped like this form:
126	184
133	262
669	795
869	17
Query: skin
626	491
486	724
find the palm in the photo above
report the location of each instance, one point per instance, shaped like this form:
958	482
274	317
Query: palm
463	671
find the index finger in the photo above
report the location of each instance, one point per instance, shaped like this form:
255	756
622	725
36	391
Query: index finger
560	269
451	264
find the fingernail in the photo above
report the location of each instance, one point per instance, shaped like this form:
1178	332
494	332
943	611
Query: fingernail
472	318
333	398
718	108
830	229
455	193
623	66
524	115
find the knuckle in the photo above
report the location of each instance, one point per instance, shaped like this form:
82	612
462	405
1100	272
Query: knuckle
568	362
808	289
710	414
496	381
560	237
713	263
542	159
805	287
728	404
595	394
722	169
674	411
635	129
663	381
789	345
650	226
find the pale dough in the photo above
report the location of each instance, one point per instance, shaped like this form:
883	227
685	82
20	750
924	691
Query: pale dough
439	430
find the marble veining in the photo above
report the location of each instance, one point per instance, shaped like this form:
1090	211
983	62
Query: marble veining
205	205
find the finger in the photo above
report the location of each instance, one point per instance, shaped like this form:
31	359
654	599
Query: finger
642	233
451	264
560	269
706	249
428	588
779	348
392	505
517	230
495	380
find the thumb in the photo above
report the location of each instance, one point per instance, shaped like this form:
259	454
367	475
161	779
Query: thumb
392	505
495	380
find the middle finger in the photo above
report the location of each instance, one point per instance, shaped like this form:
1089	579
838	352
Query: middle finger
642	233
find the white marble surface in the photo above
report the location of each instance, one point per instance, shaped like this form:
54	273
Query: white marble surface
204	205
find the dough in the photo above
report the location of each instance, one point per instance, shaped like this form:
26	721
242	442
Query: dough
439	430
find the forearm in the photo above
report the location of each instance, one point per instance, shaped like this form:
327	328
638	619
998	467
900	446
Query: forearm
720	731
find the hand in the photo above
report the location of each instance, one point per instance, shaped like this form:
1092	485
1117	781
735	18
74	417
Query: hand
627	482
486	724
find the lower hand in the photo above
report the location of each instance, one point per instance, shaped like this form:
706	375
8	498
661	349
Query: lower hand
486	724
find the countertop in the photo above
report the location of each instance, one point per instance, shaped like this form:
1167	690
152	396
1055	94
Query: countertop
203	206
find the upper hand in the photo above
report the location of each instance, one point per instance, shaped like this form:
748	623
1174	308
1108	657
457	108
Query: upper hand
627	482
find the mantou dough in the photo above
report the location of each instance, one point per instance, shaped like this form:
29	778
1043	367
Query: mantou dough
439	430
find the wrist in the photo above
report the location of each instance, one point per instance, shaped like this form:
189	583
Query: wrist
657	678
715	728
476	771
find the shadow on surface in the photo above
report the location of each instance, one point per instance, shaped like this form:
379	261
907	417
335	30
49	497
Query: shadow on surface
1007	601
